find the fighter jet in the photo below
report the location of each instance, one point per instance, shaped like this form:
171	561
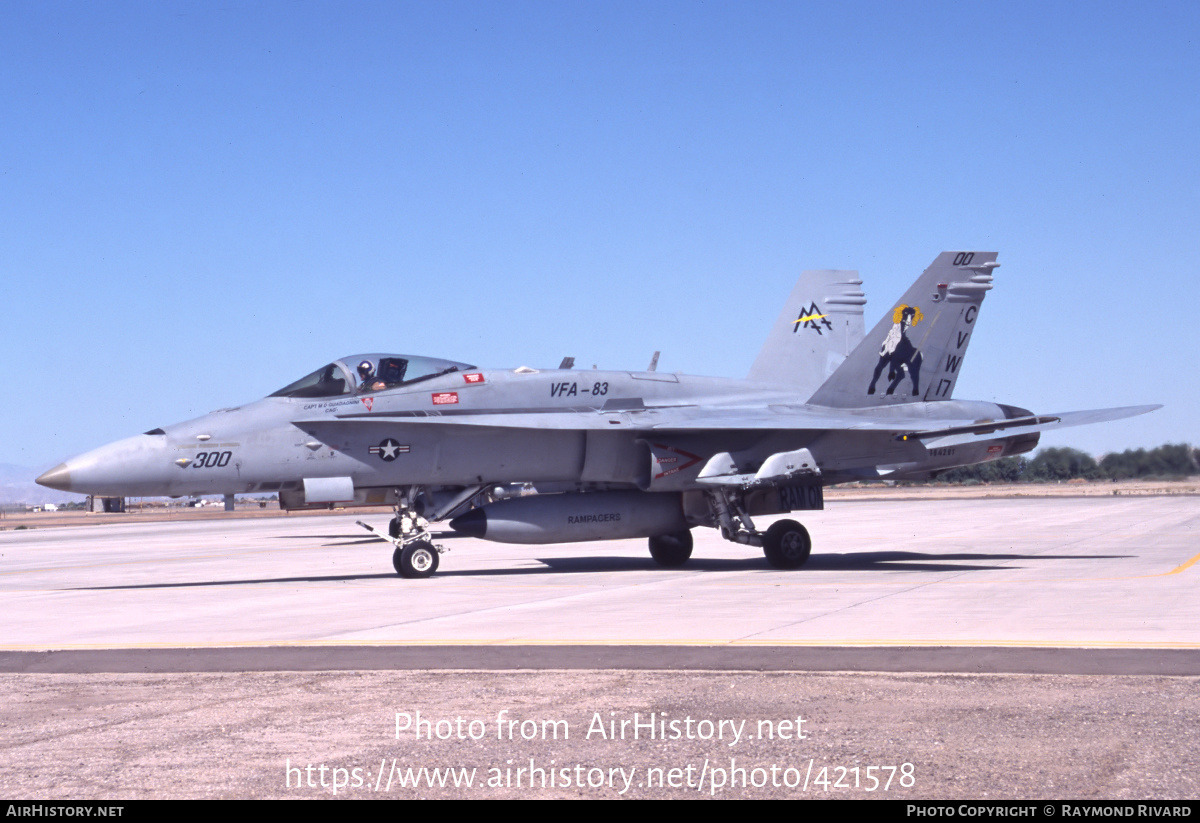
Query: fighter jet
611	454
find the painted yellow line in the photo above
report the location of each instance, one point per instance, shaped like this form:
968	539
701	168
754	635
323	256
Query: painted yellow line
518	642
1185	566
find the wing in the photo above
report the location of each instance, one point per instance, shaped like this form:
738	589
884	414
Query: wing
649	419
771	418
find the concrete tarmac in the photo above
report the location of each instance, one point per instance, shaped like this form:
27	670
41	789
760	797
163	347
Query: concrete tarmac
302	622
1073	573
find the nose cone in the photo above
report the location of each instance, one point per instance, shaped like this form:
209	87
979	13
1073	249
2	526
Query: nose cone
136	466
58	477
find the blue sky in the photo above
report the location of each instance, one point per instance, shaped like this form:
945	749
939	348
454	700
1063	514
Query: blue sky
201	204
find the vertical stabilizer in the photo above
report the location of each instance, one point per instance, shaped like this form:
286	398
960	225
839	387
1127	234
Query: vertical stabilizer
916	351
821	323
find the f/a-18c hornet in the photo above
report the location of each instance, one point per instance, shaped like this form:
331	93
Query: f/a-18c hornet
611	454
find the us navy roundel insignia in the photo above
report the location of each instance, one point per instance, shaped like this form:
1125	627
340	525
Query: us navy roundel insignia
388	450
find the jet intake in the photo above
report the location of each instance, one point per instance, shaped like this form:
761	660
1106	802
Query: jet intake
573	518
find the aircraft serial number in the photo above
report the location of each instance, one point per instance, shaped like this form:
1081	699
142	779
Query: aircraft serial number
212	460
572	389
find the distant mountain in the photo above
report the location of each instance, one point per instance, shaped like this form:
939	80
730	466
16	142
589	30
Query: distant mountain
17	486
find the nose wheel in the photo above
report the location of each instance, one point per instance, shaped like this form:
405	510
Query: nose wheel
417	559
416	555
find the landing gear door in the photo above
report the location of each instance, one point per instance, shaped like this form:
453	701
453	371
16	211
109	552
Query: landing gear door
801	495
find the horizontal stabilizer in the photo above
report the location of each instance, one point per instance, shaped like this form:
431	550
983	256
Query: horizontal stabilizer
940	438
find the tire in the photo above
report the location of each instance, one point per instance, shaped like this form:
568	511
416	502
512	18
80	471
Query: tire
418	559
671	550
787	545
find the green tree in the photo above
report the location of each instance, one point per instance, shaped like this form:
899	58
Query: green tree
1005	470
1061	464
1171	460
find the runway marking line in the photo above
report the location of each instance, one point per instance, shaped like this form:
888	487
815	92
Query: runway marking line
517	643
1184	567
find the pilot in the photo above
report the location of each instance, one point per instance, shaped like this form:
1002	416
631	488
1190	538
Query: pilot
391	371
366	376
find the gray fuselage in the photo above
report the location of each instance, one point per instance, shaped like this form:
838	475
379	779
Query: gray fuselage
591	428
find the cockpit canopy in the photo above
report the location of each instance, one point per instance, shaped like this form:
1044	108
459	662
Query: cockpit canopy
366	373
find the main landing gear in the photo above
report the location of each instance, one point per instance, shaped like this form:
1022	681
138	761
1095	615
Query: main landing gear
785	543
671	549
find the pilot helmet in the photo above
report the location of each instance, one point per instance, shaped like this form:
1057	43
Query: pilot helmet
366	370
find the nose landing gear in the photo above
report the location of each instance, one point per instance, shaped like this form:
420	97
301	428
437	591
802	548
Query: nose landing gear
417	559
416	554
